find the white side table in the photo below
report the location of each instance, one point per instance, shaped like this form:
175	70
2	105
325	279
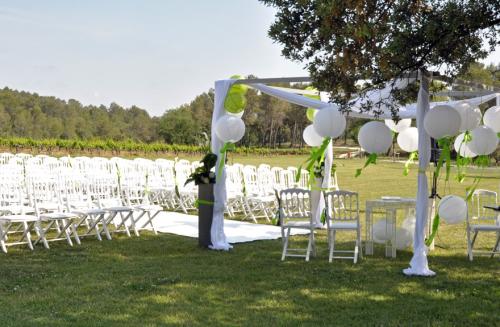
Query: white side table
391	206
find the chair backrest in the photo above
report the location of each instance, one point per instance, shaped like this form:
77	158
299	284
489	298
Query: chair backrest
234	181
341	205
481	198
46	194
295	204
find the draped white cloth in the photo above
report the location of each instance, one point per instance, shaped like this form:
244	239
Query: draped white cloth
218	238
418	264
407	111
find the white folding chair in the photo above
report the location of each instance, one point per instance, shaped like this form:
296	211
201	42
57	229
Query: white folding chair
12	223
483	220
45	194
345	218
295	213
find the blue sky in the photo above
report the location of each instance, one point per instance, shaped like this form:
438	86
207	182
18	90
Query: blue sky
154	54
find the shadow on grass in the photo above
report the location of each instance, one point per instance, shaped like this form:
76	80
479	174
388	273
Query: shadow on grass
168	280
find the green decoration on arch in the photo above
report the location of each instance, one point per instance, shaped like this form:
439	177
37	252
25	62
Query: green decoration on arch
236	101
311	112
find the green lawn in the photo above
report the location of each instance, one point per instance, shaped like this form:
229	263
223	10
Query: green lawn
167	280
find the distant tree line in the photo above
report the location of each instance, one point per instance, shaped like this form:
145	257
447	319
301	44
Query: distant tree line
270	122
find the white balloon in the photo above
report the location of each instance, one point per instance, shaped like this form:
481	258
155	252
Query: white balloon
409	224
311	137
484	140
230	128
383	230
238	114
375	137
470	117
463	147
403	238
398	127
442	120
492	118
452	209
408	139
329	122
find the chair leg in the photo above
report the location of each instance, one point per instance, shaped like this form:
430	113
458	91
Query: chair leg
309	245
285	245
41	235
27	235
469	249
3	233
495	248
332	244
74	231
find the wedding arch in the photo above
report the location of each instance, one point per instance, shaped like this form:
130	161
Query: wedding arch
418	110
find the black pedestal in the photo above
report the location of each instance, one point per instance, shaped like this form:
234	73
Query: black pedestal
205	213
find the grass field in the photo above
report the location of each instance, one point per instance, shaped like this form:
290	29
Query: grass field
168	280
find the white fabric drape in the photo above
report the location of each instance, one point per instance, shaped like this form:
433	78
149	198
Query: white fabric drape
218	237
418	264
407	111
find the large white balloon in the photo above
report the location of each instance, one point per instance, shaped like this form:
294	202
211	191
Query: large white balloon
230	128
329	122
311	137
403	238
442	121
383	230
409	223
470	117
452	209
484	140
375	137
408	139
463	147
399	126
492	118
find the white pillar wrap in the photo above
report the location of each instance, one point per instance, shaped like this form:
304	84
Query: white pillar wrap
418	264
218	237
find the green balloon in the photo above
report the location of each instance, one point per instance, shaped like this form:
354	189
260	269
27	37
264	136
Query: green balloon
239	88
310	113
235	103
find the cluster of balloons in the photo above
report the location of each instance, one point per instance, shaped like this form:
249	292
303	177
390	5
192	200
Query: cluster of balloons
328	122
230	128
447	121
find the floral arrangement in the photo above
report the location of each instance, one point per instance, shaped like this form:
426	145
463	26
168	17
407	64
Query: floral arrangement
204	173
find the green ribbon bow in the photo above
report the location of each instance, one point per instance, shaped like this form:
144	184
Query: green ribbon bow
413	156
317	155
227	146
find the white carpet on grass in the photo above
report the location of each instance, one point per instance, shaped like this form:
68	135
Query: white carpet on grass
236	231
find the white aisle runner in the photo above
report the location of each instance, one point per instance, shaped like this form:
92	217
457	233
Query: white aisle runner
236	231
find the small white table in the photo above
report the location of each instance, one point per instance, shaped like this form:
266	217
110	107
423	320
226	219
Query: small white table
391	205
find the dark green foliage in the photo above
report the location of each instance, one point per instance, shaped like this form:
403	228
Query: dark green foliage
204	173
344	42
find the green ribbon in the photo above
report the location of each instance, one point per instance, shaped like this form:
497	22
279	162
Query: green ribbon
323	217
480	161
227	146
317	155
372	159
435	225
205	202
463	162
413	156
445	157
